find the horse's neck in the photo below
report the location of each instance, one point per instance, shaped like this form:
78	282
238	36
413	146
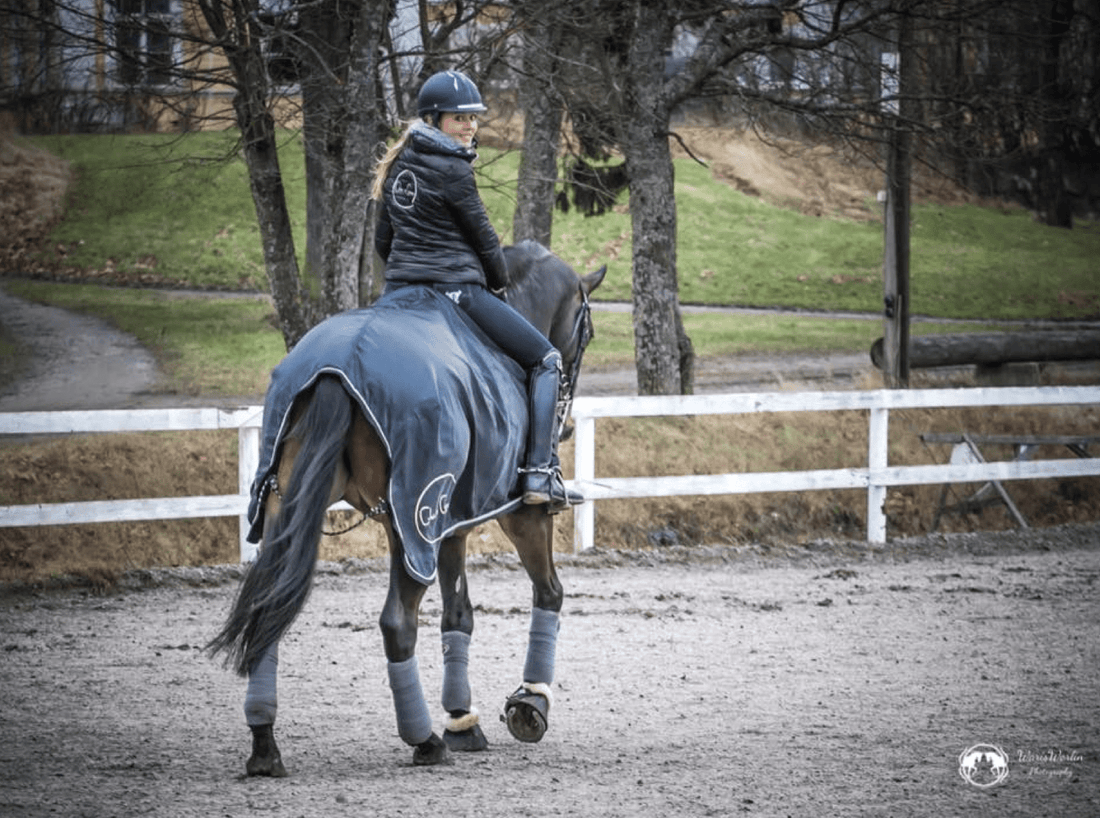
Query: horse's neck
539	301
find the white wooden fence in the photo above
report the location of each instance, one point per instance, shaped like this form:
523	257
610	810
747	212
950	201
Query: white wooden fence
247	420
875	477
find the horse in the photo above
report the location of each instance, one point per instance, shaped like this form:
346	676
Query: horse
333	451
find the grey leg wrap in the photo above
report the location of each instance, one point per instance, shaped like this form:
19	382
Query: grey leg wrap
541	646
456	665
261	701
414	723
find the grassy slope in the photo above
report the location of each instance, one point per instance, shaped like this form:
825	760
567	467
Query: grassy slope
179	207
180	201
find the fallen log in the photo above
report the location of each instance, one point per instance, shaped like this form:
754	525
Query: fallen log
995	348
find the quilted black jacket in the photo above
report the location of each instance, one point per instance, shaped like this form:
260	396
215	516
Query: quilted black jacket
433	227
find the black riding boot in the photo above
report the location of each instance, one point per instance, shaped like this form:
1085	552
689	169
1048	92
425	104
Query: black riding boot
541	479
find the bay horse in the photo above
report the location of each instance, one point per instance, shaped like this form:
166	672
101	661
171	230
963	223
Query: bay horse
333	451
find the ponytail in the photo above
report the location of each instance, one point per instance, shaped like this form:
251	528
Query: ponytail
382	169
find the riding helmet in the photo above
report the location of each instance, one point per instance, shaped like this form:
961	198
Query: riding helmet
449	92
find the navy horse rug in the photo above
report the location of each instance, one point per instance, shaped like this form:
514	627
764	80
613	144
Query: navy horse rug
449	406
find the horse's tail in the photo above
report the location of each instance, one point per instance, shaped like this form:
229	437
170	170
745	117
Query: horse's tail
278	582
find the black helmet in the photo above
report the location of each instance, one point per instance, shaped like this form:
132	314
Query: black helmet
448	91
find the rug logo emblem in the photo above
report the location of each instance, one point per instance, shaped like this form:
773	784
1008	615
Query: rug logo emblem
432	507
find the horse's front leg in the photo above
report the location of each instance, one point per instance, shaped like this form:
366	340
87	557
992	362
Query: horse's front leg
399	624
463	731
526	712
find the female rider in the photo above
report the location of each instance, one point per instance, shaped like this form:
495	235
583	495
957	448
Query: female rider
433	229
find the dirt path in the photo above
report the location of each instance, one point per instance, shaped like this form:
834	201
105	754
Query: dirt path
71	361
724	683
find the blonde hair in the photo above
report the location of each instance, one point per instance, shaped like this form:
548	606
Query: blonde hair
382	169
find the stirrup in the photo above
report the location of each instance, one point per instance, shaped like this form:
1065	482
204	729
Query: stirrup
542	486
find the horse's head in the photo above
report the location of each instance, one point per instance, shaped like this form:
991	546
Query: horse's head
553	297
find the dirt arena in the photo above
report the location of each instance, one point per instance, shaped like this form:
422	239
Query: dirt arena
690	682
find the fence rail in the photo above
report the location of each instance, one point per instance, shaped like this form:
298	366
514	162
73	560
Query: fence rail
246	420
876	477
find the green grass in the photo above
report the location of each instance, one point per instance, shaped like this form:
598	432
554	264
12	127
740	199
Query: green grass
714	334
179	207
972	261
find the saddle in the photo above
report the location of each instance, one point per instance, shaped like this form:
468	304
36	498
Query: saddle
448	405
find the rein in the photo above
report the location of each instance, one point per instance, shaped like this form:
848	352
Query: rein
583	333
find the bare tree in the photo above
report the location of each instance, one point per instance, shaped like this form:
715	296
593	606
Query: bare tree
142	63
1011	97
542	107
820	62
236	28
343	126
1006	89
640	88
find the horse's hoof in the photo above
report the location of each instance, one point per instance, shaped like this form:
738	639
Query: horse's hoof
525	713
265	759
471	740
432	752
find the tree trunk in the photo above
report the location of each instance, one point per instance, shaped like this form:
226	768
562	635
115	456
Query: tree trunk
269	197
343	130
1051	202
326	34
240	39
352	246
663	353
542	115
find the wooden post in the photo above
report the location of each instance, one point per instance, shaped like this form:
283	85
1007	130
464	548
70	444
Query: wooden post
584	471
896	255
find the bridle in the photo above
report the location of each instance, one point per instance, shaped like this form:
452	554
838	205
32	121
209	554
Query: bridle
583	332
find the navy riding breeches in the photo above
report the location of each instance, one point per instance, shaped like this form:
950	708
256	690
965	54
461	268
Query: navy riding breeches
502	323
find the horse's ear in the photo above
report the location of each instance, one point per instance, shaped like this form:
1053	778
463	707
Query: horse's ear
593	279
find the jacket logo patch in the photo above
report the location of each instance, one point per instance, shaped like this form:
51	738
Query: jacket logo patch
404	189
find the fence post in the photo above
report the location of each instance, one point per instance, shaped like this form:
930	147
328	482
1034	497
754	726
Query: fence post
248	461
877	458
584	471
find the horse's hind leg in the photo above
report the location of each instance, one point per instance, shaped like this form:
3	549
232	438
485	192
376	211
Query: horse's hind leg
260	703
399	625
526	711
261	697
463	731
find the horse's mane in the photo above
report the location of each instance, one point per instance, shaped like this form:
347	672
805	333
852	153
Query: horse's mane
522	260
